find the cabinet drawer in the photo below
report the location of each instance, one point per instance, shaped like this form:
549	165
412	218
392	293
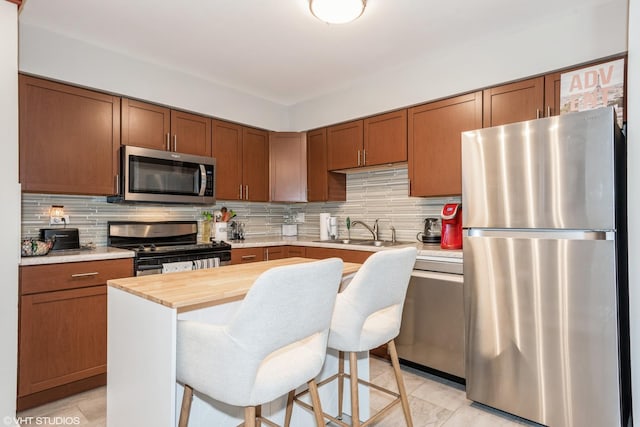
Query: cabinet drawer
296	251
275	252
54	277
244	255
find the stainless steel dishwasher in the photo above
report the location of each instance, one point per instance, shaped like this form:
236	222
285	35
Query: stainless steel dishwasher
432	331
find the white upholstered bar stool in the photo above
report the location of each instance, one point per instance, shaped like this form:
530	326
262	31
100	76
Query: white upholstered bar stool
367	315
275	343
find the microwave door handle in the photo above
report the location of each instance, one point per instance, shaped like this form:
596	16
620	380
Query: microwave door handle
203	180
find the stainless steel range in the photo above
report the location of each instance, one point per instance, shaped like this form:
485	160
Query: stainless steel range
160	243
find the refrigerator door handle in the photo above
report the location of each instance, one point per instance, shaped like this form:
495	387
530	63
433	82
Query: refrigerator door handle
541	234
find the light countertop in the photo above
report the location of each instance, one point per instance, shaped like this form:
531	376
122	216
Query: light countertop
78	255
105	252
432	250
190	290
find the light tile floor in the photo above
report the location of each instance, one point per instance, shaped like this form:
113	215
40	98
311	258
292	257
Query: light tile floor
434	402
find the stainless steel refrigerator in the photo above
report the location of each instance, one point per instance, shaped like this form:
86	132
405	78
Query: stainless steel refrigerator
545	289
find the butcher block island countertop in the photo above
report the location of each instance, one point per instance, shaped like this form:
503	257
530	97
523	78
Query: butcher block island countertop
197	289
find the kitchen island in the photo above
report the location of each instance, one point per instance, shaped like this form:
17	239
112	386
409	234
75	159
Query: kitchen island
141	360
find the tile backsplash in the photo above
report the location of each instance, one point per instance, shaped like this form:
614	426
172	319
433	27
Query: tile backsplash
370	195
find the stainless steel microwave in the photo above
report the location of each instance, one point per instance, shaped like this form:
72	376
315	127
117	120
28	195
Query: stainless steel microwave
165	177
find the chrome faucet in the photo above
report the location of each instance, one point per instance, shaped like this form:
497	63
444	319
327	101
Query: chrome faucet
373	231
391	227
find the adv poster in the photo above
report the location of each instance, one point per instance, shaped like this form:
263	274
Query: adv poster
592	87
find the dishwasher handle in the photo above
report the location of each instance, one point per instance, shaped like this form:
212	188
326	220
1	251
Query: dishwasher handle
445	277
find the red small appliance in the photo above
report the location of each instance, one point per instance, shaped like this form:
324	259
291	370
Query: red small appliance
451	226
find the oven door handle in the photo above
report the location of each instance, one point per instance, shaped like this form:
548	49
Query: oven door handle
203	180
149	267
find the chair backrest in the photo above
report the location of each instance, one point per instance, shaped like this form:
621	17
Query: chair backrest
287	304
379	288
276	341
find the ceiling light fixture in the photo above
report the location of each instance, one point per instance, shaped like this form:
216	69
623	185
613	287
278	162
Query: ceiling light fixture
337	11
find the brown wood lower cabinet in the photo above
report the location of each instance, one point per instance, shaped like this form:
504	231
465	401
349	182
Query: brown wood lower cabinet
347	255
296	251
63	328
275	252
244	255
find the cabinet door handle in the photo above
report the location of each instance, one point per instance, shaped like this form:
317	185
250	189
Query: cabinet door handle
248	256
94	273
117	184
266	254
364	157
358	157
246	192
175	142
537	113
240	191
168	142
548	111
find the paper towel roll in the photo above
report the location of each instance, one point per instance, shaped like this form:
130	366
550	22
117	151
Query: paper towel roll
324	226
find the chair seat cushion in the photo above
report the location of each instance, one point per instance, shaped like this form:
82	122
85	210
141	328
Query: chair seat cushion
275	375
379	328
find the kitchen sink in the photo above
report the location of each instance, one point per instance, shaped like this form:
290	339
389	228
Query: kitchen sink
381	243
344	241
364	242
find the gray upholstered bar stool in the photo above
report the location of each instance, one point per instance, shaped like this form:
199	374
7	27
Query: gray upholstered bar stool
276	342
368	314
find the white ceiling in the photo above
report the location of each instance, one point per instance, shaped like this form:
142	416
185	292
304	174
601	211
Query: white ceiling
276	49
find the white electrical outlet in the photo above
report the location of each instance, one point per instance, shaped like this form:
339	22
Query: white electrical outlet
59	220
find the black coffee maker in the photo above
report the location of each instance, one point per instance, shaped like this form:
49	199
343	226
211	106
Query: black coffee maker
432	231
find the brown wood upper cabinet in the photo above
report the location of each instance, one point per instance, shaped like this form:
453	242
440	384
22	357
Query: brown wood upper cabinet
69	138
242	162
514	102
434	143
153	126
288	166
322	185
377	140
385	138
344	145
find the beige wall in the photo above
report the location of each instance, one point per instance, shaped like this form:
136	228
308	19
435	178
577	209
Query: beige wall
560	39
10	213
